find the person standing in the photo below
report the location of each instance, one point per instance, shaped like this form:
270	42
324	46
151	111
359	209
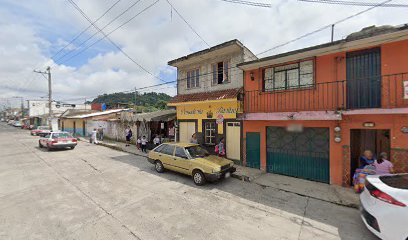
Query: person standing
156	140
129	134
100	132
93	136
220	149
194	138
382	165
138	144
144	144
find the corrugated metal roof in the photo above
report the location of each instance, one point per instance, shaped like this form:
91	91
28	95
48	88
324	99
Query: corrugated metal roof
95	114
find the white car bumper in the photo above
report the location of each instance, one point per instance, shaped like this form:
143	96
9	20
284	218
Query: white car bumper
391	220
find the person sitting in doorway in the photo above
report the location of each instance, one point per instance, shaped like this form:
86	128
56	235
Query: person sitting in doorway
366	168
382	165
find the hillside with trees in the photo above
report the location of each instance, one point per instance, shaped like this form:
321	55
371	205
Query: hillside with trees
145	102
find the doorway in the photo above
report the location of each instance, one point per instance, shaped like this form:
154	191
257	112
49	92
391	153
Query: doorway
376	140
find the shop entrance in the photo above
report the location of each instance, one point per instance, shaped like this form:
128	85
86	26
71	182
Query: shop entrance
376	140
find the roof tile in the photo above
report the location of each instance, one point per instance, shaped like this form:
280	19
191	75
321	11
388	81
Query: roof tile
205	96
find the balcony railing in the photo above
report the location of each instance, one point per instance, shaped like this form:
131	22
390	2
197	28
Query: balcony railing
385	91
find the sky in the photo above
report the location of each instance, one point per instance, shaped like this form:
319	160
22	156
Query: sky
32	33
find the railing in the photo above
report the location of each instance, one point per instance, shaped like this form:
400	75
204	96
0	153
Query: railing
385	91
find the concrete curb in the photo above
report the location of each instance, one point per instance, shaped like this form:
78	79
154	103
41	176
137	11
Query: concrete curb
250	180
240	177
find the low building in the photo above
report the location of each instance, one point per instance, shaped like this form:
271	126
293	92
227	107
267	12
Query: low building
77	122
312	112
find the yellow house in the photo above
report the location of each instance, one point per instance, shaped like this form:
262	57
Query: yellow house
209	93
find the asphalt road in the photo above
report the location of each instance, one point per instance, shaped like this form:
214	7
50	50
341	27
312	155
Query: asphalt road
93	192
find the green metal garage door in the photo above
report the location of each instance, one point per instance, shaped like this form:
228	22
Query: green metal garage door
299	154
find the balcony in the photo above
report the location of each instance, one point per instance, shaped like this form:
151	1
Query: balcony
385	91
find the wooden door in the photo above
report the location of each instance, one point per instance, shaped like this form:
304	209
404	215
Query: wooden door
233	140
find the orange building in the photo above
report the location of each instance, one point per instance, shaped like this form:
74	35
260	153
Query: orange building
310	113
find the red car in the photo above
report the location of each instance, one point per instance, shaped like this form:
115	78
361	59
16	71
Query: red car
58	140
40	131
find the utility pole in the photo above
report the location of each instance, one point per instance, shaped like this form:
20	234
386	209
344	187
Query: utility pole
332	32
135	99
48	73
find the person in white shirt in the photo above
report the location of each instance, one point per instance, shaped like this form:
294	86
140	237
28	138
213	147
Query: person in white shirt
156	140
138	143
144	144
93	136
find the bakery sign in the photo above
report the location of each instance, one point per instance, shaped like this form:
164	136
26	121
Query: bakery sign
405	89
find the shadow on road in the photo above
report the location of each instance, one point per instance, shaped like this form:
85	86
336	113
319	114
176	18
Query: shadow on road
322	214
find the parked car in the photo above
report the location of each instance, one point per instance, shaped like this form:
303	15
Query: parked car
40	131
17	124
57	140
384	206
190	159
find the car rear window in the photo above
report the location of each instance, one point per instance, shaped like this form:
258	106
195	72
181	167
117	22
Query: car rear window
61	135
396	181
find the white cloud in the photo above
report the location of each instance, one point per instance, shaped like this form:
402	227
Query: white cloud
29	36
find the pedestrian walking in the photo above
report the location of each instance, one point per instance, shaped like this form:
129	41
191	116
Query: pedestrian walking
144	144
93	137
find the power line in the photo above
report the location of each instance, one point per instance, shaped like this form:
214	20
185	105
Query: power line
323	28
353	3
86	29
113	43
249	3
106	25
188	24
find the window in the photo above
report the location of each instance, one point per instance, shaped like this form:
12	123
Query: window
221	72
181	153
168	149
197	152
160	148
290	76
193	79
209	135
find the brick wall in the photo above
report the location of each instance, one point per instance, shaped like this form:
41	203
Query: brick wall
399	158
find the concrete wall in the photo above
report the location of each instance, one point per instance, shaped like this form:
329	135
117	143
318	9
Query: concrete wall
206	76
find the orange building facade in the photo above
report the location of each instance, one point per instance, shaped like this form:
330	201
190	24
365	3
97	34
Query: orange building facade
311	113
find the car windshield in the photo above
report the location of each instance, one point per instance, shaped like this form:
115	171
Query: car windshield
61	135
197	151
42	128
396	181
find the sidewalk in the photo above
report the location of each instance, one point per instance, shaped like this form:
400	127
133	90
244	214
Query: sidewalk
120	146
325	192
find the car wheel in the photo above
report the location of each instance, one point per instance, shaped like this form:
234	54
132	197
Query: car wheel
198	178
39	145
159	166
72	148
48	148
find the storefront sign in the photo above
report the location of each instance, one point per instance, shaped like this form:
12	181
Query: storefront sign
405	83
404	129
220	119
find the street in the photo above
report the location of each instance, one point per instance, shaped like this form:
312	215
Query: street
93	192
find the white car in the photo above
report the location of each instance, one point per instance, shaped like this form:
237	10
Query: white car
17	124
384	206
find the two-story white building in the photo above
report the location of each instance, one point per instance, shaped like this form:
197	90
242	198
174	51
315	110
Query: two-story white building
38	110
209	96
